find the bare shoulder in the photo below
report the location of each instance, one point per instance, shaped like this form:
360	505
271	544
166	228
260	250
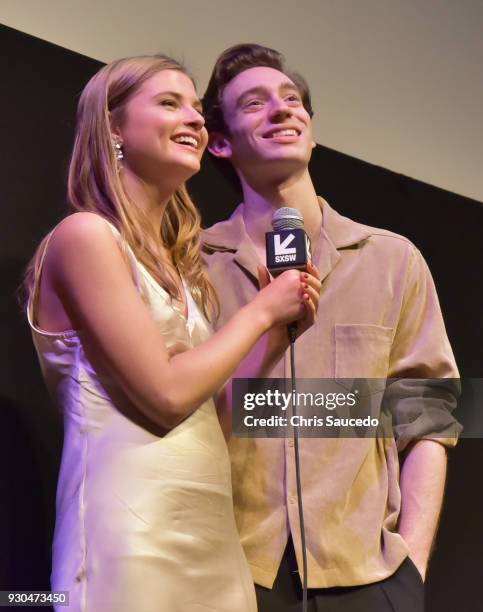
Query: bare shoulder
81	235
83	243
80	229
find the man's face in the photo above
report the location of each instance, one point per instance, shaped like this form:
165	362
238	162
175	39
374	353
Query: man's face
268	125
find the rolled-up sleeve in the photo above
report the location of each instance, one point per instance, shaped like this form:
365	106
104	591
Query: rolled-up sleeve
423	385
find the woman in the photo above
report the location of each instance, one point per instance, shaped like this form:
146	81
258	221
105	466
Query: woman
118	306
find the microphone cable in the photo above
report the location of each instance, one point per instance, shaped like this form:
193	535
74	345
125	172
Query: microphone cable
292	333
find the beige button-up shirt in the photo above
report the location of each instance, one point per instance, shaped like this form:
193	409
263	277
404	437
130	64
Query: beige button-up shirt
378	317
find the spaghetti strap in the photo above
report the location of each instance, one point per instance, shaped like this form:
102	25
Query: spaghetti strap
33	298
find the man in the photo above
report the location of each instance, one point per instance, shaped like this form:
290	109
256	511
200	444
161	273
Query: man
369	532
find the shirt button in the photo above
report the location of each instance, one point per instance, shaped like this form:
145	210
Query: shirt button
292	499
81	575
290	443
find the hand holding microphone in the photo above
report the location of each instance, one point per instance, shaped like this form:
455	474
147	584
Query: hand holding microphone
288	248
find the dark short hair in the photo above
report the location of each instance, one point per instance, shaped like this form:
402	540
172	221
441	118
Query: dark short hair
237	59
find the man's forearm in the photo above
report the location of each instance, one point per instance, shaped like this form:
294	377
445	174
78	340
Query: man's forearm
423	477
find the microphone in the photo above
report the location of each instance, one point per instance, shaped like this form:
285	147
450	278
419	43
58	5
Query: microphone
287	248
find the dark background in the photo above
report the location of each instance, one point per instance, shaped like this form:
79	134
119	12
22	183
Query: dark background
40	84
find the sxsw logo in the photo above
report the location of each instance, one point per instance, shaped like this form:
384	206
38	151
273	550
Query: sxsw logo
283	251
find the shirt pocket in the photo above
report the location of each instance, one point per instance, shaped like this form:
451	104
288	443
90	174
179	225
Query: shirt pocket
362	350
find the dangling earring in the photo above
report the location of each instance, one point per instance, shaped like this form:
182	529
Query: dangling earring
118	150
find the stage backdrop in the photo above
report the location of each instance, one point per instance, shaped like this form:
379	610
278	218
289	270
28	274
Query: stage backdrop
40	87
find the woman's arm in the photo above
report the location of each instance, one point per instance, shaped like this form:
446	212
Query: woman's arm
85	268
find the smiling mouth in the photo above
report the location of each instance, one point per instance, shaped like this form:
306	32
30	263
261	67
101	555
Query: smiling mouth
187	141
290	132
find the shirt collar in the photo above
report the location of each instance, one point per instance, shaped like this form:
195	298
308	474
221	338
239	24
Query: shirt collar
337	232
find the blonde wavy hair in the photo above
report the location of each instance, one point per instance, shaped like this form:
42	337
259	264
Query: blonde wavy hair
94	185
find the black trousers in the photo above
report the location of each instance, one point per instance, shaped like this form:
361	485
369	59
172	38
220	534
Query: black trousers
401	592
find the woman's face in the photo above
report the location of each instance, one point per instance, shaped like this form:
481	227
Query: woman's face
162	129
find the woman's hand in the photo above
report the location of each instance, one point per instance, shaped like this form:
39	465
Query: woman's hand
309	295
282	299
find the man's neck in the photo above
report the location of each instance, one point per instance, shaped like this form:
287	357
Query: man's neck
261	203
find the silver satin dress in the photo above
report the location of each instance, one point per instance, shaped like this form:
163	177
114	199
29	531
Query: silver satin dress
144	519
